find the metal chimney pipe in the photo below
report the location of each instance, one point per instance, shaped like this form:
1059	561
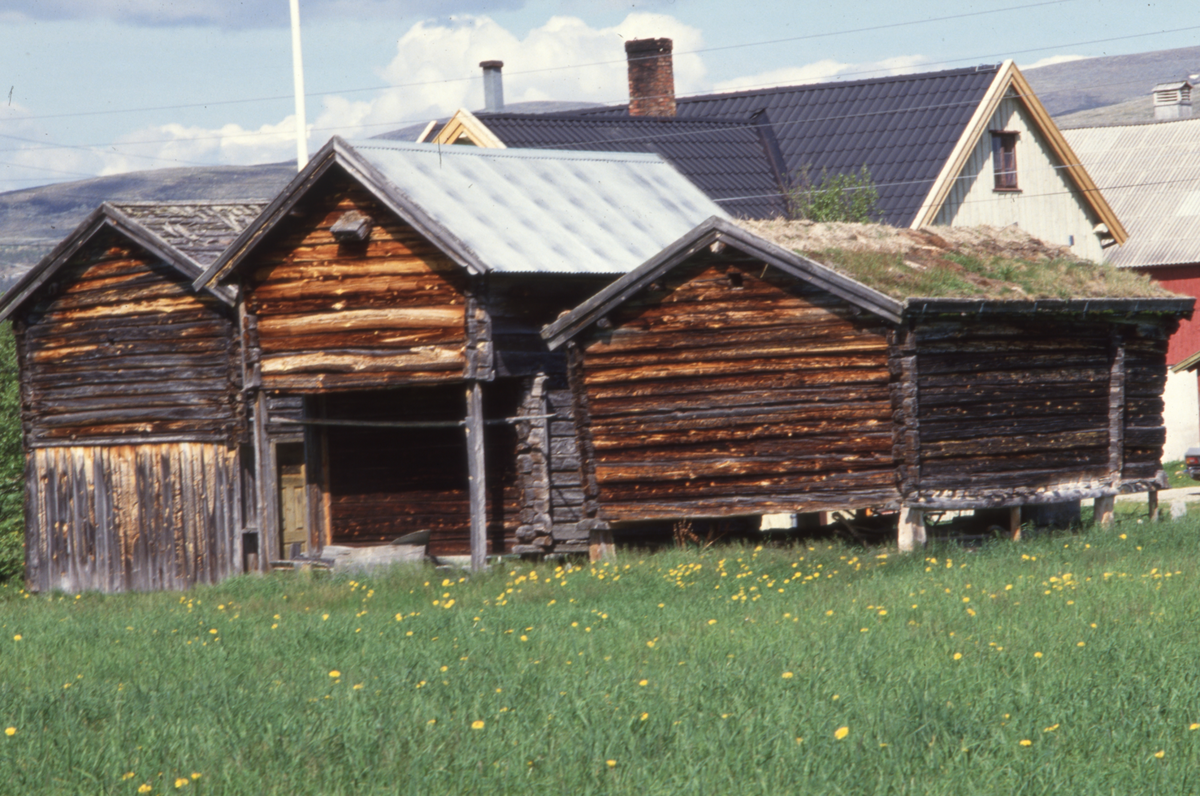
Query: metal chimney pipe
493	86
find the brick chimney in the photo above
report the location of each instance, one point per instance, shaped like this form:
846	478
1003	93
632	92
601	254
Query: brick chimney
651	77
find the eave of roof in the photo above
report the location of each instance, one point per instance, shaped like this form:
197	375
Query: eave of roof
106	216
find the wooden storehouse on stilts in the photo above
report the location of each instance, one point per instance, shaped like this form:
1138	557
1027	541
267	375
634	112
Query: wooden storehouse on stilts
131	404
730	376
390	302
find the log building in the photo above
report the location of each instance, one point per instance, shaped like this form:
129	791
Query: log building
389	306
729	376
131	404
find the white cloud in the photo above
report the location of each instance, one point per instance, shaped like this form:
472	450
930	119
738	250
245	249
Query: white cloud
164	146
28	156
820	71
1052	60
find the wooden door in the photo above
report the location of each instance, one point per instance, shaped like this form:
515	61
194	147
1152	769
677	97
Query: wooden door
293	510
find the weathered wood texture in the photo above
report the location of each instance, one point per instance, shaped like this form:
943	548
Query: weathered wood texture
1034	410
385	482
328	316
120	347
131	517
520	305
1145	381
730	388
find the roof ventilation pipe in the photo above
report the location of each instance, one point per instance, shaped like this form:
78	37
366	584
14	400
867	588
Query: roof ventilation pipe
493	86
651	77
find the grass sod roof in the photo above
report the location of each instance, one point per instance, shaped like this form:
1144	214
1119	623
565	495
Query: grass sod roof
990	263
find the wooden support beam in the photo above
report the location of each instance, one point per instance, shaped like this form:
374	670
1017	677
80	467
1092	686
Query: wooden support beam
268	487
1102	512
1152	504
1116	410
910	532
1014	523
315	477
600	545
476	486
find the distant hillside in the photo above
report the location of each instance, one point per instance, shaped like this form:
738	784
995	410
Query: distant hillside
1109	82
34	220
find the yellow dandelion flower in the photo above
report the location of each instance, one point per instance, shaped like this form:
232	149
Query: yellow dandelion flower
1037	654
645	716
787	675
145	788
1081	644
1160	754
1194	727
432	721
181	782
643	682
712	621
128	775
477	724
195	775
1051	728
841	732
610	763
524	638
10	731
17	637
1026	742
958	656
335	673
358	686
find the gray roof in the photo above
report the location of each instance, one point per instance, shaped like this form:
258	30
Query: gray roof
1150	175
186	235
201	230
511	210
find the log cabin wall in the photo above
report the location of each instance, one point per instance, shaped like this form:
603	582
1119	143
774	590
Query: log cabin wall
324	316
387	482
730	388
131	421
1026	409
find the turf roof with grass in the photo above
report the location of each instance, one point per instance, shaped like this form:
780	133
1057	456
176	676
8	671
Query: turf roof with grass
995	263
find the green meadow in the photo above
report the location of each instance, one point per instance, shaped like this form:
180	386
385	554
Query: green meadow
1066	663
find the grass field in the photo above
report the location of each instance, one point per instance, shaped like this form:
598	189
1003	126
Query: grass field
1063	664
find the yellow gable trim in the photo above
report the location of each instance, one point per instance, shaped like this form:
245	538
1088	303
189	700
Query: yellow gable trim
1008	78
465	125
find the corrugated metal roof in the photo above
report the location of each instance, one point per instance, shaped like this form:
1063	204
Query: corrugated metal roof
724	158
543	211
201	230
902	128
1150	175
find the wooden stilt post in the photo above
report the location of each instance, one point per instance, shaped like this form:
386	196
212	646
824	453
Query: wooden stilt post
1152	504
910	533
1014	523
1103	511
600	544
476	487
268	487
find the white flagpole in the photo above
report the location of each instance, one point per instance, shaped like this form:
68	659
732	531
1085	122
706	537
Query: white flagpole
298	79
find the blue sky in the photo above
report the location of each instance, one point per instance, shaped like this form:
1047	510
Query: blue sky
104	86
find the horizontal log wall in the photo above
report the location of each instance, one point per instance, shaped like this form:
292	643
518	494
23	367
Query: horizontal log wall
730	388
327	316
119	346
384	482
1019	410
1145	381
131	517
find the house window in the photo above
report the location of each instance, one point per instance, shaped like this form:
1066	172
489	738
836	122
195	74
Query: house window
1004	159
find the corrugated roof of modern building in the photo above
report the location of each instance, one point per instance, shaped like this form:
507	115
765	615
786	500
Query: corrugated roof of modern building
727	159
902	128
1150	175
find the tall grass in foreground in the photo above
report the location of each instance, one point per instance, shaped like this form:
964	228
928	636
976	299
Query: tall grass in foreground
1063	664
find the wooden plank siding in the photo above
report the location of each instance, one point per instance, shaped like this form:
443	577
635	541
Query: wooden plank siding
729	388
386	482
132	517
325	316
120	347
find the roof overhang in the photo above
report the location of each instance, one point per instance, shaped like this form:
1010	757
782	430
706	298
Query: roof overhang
339	153
1191	363
1010	77
104	217
711	231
